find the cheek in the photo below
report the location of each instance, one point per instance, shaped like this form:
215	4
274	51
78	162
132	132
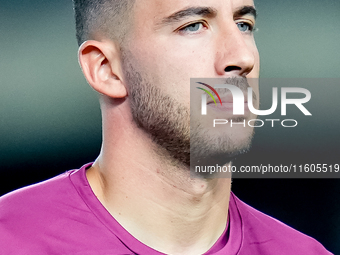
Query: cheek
191	57
184	65
172	70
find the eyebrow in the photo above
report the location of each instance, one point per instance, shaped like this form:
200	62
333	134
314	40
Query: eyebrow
208	12
246	10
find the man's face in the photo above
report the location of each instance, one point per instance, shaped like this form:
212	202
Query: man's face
172	41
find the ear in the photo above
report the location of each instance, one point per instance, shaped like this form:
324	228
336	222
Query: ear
101	65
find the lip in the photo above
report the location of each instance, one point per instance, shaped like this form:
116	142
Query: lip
228	98
226	107
227	103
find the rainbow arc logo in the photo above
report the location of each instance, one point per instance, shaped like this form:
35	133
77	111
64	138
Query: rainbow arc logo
209	93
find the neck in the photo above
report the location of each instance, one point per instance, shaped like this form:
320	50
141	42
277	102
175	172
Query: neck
156	201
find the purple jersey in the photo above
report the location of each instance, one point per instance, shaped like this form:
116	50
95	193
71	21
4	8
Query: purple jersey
63	216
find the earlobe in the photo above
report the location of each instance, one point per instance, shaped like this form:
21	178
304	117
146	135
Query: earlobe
101	65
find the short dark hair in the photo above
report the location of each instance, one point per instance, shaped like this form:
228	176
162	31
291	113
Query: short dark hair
107	17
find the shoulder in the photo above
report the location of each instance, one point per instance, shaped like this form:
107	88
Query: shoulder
26	212
52	218
262	232
36	196
34	206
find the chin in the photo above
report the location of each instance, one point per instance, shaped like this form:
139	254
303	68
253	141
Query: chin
219	147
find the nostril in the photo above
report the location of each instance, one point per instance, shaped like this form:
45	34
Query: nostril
232	68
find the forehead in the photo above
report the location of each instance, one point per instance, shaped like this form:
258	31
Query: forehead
158	9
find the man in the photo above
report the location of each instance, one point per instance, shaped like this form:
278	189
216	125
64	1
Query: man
139	197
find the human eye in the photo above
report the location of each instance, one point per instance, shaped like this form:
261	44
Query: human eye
192	28
245	27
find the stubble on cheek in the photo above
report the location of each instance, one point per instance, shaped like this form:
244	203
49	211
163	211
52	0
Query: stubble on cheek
161	116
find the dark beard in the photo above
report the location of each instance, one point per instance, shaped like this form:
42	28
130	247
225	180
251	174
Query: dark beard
162	117
167	122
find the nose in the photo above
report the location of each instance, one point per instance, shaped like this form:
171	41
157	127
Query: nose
235	53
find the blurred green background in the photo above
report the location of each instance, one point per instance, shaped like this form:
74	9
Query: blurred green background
50	118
